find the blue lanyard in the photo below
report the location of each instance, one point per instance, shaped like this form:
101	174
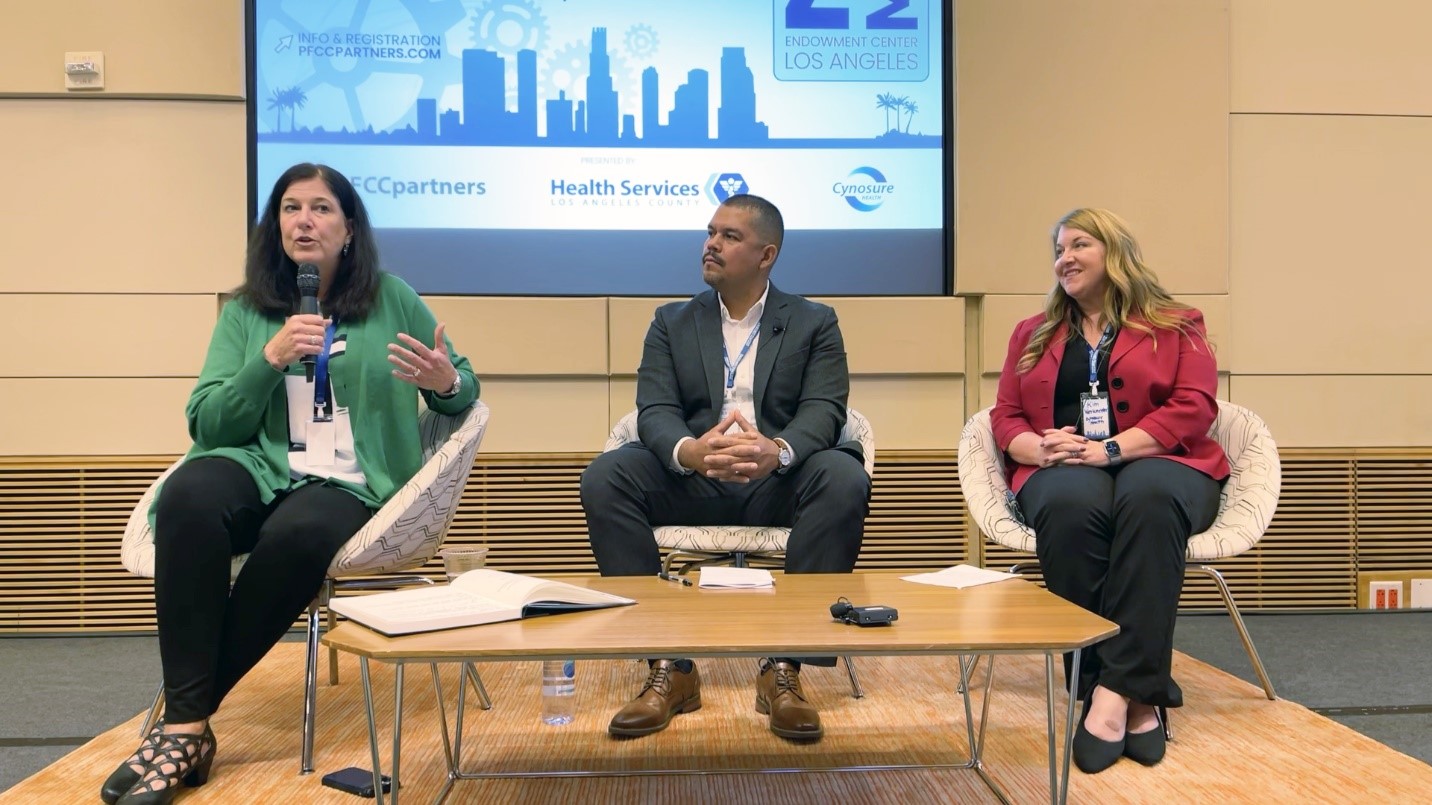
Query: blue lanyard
1094	357
726	356
320	375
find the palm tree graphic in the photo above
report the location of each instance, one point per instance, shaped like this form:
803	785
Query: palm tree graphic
296	100
887	102
911	107
290	98
278	101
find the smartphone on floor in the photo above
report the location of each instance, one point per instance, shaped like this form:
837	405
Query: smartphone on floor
356	781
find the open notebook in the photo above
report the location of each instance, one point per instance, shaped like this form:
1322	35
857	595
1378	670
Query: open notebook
476	597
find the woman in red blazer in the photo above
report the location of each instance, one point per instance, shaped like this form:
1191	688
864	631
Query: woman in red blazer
1104	408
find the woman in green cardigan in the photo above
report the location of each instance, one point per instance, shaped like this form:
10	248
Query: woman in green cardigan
303	425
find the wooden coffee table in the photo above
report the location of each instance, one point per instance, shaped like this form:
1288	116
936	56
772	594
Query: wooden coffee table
791	620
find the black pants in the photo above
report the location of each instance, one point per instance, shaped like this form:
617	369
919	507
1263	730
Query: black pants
1113	541
824	500
209	635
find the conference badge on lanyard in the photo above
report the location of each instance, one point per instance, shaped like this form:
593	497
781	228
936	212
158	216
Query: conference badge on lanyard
1095	404
320	446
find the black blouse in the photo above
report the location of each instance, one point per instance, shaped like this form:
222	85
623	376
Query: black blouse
1073	381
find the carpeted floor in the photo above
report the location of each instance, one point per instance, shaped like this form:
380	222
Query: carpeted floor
1231	744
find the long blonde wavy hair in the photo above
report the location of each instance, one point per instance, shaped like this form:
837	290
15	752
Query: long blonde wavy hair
1133	297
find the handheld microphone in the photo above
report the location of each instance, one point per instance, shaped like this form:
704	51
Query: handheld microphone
307	303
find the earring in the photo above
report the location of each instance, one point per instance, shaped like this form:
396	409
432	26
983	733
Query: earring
345	247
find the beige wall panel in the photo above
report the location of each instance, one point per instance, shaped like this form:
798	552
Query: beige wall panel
1337	411
909	413
178	47
525	335
621	392
1108	103
545	416
630	318
1001	313
79	335
123	196
1331	56
94	417
1327	255
902	335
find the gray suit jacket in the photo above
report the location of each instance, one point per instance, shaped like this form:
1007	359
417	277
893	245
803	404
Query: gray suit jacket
801	378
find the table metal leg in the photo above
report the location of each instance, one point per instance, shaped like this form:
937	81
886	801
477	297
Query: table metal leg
397	726
442	722
470	671
1059	786
372	730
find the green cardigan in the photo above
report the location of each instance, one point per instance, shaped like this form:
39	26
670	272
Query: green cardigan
239	409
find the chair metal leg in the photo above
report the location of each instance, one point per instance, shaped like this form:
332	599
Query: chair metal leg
332	652
153	715
856	691
1239	625
310	679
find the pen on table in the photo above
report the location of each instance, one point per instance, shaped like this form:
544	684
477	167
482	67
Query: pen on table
683	582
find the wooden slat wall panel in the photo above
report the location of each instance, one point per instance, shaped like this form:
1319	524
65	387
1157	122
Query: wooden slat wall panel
61	522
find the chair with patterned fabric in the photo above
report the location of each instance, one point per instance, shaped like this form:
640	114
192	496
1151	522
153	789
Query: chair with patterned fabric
1245	506
742	546
404	534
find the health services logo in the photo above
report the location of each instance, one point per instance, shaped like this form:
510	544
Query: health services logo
722	186
865	189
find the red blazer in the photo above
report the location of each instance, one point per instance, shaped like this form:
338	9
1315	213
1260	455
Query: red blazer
1170	393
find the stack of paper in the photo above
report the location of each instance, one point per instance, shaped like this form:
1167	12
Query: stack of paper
959	576
746	578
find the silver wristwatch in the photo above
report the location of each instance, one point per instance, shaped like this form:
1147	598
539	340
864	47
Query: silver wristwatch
1115	454
456	387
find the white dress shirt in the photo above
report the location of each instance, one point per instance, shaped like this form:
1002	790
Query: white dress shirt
740	395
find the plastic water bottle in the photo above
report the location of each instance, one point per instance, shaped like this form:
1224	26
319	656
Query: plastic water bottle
559	690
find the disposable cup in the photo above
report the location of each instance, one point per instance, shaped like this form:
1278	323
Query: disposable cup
458	560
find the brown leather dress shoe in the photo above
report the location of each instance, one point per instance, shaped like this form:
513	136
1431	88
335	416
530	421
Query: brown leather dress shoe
667	692
778	693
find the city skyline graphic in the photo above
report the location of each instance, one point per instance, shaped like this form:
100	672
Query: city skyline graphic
492	114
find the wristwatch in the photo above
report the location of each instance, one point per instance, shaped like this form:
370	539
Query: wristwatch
456	387
1115	454
784	457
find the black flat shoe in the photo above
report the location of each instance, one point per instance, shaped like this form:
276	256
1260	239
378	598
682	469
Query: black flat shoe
129	772
1148	747
1092	755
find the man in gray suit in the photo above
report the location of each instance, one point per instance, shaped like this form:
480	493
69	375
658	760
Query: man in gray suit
741	397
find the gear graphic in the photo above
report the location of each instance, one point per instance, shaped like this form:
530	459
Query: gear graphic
507	26
331	86
569	66
641	41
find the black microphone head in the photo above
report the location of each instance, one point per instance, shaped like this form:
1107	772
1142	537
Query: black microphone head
307	279
839	609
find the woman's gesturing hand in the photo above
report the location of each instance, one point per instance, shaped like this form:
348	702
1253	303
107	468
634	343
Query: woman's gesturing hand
425	368
301	334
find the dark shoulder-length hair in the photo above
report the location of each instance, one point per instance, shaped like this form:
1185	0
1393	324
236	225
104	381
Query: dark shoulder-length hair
270	276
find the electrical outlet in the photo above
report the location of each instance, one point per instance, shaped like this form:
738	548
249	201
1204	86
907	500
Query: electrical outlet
1385	594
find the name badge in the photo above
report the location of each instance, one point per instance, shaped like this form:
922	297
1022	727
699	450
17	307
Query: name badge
320	448
1096	415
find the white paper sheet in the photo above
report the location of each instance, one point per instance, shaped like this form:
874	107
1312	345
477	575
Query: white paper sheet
747	578
959	576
